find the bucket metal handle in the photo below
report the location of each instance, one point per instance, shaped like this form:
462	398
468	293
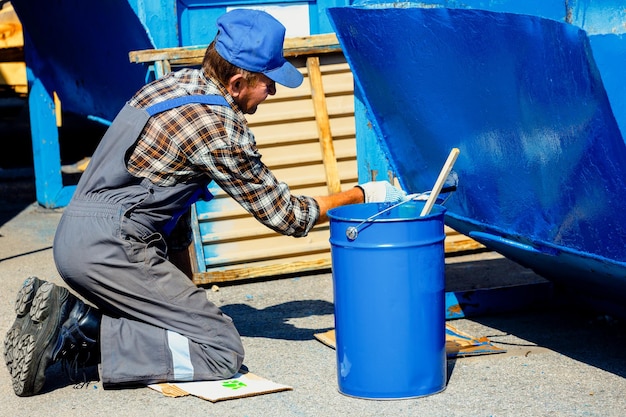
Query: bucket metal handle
352	232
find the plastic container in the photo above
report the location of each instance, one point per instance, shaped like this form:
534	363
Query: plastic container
388	282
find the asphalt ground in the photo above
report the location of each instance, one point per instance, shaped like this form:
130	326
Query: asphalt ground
562	358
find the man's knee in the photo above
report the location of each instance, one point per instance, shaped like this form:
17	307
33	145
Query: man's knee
231	365
221	363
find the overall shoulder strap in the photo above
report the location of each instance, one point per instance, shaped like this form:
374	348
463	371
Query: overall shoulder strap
179	101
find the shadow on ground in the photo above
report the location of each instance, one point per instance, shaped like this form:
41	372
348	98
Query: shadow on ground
273	322
580	333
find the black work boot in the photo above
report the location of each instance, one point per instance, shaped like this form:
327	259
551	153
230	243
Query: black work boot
29	345
78	344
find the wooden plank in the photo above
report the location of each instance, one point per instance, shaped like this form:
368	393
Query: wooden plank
275	269
240	252
323	125
193	55
461	243
457	242
184	53
311	45
12	54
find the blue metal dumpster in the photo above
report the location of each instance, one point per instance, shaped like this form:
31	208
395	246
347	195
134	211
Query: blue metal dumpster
543	160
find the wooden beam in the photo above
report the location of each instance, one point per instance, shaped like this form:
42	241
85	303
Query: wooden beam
12	54
311	45
323	125
260	272
193	55
189	53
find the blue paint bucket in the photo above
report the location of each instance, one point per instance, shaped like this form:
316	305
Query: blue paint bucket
388	281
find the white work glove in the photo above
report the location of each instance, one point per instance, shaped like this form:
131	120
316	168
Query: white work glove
381	192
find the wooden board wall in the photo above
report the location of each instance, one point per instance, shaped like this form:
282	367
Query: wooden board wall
235	245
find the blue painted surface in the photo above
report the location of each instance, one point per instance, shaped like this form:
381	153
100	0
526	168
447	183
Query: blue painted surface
542	157
603	21
609	52
605	18
78	50
388	287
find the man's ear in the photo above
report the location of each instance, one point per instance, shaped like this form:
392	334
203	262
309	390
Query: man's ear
235	84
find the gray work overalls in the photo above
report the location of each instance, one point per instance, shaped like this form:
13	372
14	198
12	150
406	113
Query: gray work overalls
109	246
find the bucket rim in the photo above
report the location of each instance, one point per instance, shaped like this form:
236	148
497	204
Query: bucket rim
436	211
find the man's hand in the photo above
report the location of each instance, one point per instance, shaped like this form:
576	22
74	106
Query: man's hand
381	192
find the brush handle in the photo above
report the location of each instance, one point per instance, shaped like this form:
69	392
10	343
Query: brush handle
445	171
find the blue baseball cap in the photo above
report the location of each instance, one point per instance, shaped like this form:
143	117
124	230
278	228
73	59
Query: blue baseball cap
253	40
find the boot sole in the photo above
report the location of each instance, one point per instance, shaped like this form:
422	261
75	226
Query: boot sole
30	342
23	303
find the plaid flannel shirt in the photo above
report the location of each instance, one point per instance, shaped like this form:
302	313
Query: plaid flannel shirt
200	140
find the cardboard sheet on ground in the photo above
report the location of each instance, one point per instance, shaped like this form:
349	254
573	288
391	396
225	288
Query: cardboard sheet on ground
240	386
458	344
